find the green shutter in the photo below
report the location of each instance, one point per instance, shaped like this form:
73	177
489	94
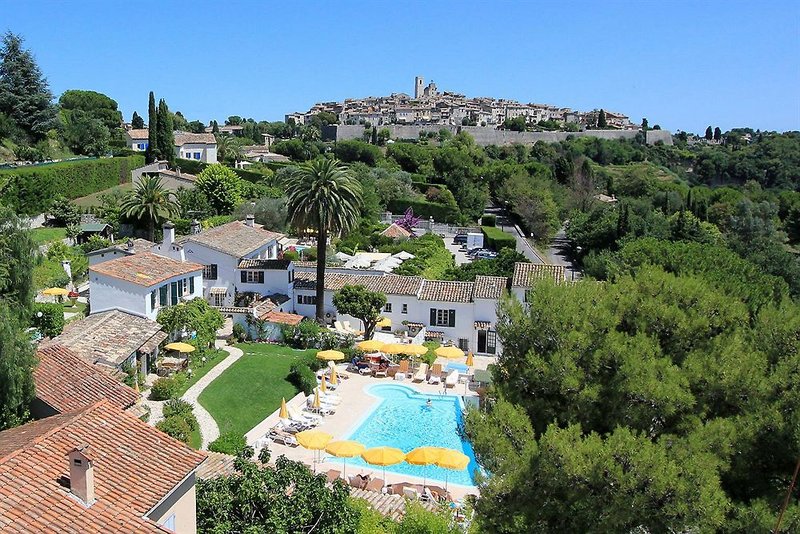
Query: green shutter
174	287
163	291
191	285
433	317
452	315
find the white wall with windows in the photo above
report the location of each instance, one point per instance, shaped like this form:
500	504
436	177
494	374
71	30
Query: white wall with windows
206	153
109	293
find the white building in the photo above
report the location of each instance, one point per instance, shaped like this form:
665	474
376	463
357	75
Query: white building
200	147
527	274
137	139
142	284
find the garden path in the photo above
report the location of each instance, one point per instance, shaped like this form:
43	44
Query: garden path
208	427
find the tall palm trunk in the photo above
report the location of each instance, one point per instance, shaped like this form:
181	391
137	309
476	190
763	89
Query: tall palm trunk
322	239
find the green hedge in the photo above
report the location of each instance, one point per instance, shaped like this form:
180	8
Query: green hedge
423	187
489	220
31	190
497	239
196	167
425	209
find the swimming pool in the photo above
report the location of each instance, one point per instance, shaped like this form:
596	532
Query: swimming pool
403	420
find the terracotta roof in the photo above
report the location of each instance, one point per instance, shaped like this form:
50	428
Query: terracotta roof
392	284
235	238
396	232
141	133
264	264
279	317
145	269
306	264
183	138
446	291
182	176
490	287
216	465
109	337
139	245
525	274
135	467
391	506
65	382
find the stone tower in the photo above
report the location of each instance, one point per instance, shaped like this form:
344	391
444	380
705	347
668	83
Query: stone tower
418	87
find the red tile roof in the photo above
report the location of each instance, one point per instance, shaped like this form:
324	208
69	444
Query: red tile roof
135	467
234	238
279	317
145	269
396	232
446	291
525	274
392	284
489	287
65	382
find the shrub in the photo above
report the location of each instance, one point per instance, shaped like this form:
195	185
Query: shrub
165	388
425	209
497	239
239	333
51	322
301	375
216	220
181	408
489	220
177	427
228	443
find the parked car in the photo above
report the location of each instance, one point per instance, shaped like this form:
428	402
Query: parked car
486	255
460	239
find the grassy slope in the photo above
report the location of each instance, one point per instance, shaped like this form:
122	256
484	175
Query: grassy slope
94	198
48	235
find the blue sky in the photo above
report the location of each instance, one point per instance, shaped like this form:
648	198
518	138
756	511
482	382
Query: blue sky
683	65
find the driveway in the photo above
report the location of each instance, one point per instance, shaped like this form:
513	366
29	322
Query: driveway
558	254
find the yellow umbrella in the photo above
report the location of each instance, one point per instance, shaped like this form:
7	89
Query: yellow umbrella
384	322
370	345
334	377
284	413
450	352
452	459
394	348
330	355
418	350
317	402
345	449
56	292
424	456
470	361
383	456
315	440
322	385
180	347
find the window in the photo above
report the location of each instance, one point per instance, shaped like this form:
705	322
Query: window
184	286
169	524
387	308
252	277
197	155
163	293
174	290
191	285
491	342
291	276
463	343
299	299
210	272
405	308
153	299
219	299
307	299
443	317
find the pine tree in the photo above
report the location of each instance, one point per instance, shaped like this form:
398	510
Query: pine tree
152	152
644	125
709	134
25	96
137	122
601	120
214	127
717	134
165	139
374	136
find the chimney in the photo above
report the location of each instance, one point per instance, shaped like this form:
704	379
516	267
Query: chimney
250	219
81	474
194	227
130	245
169	233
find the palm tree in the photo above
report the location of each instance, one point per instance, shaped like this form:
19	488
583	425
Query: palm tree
150	201
324	195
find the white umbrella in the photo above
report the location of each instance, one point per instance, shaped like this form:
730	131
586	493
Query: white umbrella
403	255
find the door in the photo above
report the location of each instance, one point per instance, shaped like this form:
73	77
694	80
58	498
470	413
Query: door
482	341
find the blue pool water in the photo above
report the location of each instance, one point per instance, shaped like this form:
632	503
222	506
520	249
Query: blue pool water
403	420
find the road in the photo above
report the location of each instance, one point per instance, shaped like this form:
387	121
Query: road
558	254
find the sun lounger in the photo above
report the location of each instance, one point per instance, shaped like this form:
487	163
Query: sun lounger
381	371
403	367
427	495
436	374
411	493
451	380
376	484
422	373
329	398
279	436
332	475
306	418
358	481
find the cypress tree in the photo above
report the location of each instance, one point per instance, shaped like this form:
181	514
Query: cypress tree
152	152
601	119
165	139
137	122
709	134
214	127
375	136
717	134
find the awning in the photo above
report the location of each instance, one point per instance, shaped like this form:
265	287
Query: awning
218	291
233	309
411	324
151	344
482	325
433	334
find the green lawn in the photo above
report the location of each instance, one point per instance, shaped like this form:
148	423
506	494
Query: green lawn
47	235
94	198
213	357
196	439
251	389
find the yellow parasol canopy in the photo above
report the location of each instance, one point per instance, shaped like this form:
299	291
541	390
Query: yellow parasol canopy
450	352
424	455
284	413
317	402
384	322
330	355
370	345
419	350
394	348
56	292
452	459
470	361
322	384
313	439
383	456
334	376
345	449
180	347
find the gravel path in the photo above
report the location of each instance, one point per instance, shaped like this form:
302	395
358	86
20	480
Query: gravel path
208	427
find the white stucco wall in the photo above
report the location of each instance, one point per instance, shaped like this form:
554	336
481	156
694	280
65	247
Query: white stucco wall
208	153
108	293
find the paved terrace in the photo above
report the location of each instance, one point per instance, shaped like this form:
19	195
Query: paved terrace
356	404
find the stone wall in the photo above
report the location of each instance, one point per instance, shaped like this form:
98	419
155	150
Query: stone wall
485	136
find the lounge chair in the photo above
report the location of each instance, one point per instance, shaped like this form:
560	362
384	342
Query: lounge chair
307	418
427	495
440	493
375	484
358	481
329	398
411	493
403	367
381	371
436	374
451	380
422	373
324	409
332	475
280	436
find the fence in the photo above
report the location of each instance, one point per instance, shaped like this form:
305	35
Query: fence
432	226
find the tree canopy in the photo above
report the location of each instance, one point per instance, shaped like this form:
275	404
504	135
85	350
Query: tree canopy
362	304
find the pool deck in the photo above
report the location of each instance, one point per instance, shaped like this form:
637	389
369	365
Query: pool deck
355	406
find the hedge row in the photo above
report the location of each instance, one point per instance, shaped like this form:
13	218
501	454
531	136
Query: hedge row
196	167
31	190
498	239
423	187
425	209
